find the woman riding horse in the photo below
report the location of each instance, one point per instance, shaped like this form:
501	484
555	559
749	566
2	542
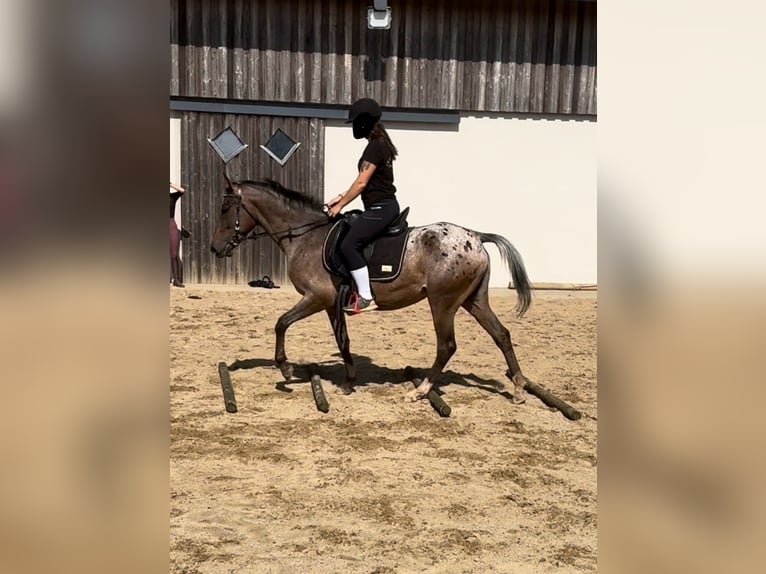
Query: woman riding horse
375	183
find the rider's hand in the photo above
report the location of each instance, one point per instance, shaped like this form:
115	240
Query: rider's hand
334	205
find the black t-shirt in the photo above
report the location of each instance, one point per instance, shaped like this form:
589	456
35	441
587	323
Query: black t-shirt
174	195
381	184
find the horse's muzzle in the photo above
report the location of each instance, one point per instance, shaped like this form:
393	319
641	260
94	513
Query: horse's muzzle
221	254
227	251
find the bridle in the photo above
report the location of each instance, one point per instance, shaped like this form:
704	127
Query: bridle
238	236
288	233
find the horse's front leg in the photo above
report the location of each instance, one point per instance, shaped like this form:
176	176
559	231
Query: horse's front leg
304	308
340	331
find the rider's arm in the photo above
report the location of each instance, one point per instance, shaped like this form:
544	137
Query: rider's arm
341	200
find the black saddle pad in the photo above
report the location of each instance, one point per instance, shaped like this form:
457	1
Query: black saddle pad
384	256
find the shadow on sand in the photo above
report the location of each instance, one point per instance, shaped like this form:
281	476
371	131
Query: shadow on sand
368	373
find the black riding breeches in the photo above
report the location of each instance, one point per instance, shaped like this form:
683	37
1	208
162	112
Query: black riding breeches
365	228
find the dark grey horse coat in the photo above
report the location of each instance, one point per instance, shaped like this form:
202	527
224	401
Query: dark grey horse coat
445	263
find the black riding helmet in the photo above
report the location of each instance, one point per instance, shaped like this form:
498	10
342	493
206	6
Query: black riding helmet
364	114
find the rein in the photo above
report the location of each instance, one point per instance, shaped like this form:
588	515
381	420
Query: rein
288	233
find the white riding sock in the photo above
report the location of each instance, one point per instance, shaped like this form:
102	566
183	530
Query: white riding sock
362	279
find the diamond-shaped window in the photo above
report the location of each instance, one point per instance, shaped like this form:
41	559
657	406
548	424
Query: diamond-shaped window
227	144
280	146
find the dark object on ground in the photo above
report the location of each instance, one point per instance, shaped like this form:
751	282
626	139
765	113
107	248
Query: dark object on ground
319	397
436	401
550	399
228	390
266	283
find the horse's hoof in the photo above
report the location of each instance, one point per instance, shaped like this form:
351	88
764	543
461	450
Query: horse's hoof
519	398
415	396
346	389
287	371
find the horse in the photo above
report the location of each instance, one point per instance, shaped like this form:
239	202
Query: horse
443	262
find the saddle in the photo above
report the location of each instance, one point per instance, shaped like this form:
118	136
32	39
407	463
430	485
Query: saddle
384	256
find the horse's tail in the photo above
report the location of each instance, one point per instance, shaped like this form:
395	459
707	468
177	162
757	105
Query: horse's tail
513	262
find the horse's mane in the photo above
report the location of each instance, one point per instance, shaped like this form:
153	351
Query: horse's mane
294	198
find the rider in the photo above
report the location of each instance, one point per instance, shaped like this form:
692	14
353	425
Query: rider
375	182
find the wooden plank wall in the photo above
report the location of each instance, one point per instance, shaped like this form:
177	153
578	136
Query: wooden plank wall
535	56
203	174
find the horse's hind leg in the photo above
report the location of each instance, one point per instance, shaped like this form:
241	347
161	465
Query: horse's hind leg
304	308
444	323
341	338
477	305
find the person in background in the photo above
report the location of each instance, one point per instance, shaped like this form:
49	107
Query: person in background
375	183
176	269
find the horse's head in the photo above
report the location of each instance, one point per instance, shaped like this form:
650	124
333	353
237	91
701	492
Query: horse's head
234	223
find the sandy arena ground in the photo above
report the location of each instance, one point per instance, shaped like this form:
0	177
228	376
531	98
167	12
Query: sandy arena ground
379	484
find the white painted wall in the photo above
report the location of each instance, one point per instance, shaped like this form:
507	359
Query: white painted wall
530	180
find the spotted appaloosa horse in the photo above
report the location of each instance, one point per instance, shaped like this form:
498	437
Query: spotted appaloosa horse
445	263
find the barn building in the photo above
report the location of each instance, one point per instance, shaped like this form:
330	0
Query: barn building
491	103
